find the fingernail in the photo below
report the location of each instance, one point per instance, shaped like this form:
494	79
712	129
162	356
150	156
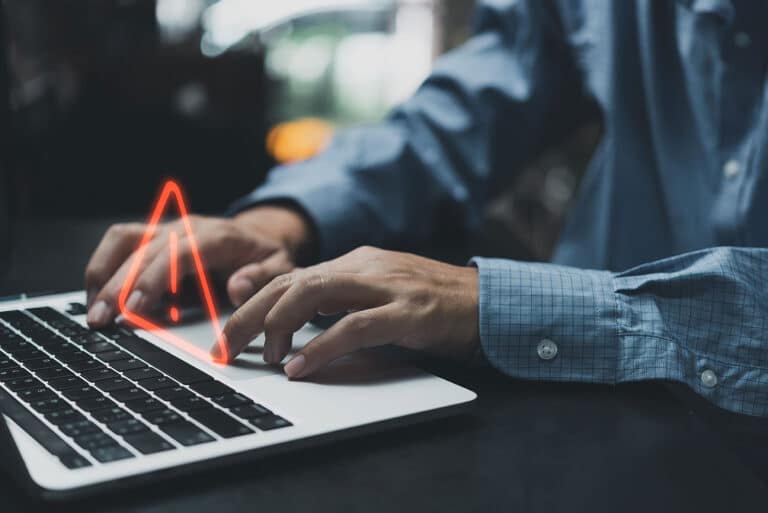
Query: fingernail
216	351
294	367
99	313
134	301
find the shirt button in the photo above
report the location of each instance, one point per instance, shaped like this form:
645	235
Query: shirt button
708	378
742	40
546	349
731	168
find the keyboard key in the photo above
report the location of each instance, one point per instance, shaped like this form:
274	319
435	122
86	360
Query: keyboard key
166	362
15	344
188	404
28	355
76	309
129	364
86	365
82	338
129	394
148	443
41	363
158	383
165	416
186	433
95	440
79	428
250	411
53	373
56	346
73	356
51	316
100	374
96	403
67	383
231	400
113	356
268	422
49	405
23	383
85	392
14	373
144	405
74	461
220	423
110	454
142	373
36	394
35	428
102	346
110	385
127	427
115	332
211	388
173	394
108	415
64	416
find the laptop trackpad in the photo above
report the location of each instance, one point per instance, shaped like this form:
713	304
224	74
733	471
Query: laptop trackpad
250	363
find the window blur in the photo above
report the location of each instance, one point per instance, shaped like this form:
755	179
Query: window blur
109	97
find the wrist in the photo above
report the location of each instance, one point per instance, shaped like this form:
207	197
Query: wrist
283	224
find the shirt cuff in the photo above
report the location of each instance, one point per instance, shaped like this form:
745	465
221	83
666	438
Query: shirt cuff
548	322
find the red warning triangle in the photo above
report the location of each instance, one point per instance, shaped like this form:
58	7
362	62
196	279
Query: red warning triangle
171	192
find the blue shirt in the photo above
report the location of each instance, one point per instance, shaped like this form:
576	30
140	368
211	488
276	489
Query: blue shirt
662	271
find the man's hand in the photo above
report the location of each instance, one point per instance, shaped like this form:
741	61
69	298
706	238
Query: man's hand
391	298
250	249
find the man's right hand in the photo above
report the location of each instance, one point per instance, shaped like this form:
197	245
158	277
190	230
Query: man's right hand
249	250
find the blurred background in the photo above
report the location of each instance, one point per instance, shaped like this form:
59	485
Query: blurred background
108	97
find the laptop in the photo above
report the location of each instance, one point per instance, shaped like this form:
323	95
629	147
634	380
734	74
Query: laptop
84	411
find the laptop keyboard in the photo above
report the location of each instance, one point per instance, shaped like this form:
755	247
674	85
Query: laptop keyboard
110	395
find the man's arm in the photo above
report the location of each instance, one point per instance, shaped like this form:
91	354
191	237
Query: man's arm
485	109
700	318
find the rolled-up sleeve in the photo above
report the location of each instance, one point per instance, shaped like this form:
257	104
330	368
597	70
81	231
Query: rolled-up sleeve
429	168
699	318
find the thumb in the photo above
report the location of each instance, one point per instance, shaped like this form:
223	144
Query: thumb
249	279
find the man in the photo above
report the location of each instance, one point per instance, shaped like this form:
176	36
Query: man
662	271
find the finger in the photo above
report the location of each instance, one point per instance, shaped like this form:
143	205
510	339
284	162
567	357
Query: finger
363	329
313	292
115	247
104	307
248	321
249	279
154	279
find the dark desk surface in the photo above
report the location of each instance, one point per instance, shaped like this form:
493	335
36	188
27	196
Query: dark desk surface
529	447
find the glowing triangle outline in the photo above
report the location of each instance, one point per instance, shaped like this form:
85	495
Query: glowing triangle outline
171	189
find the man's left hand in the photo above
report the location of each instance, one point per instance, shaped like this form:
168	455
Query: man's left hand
390	297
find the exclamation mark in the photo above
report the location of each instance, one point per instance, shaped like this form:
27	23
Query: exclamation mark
174	248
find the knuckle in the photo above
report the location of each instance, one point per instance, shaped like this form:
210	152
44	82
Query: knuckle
315	281
283	281
121	230
366	250
360	322
95	274
273	323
